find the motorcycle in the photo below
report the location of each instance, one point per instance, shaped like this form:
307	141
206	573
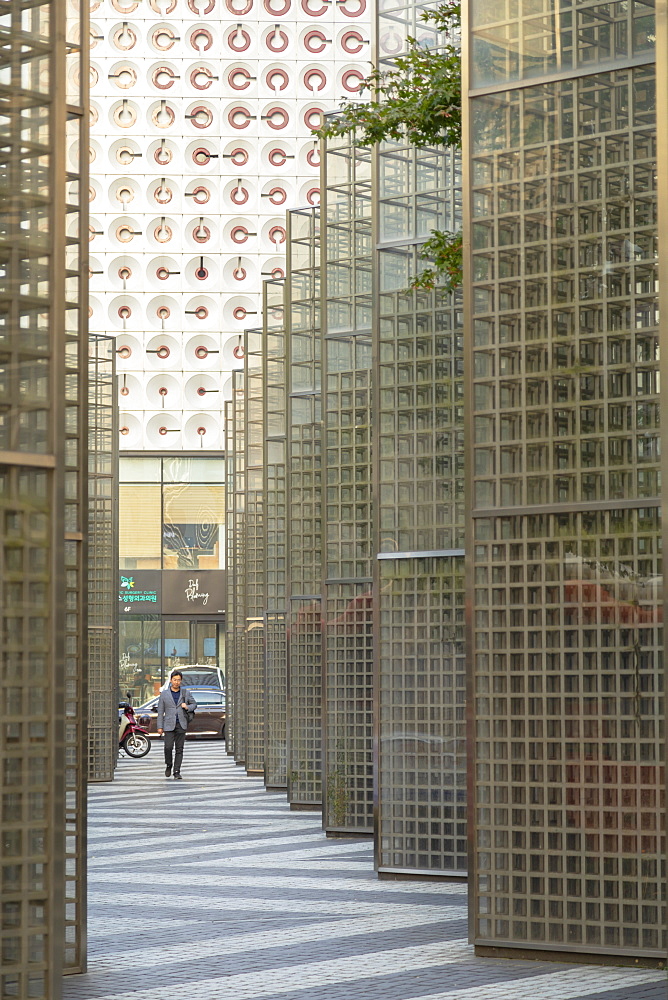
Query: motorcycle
132	737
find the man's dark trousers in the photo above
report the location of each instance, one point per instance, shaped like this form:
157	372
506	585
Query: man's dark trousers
175	738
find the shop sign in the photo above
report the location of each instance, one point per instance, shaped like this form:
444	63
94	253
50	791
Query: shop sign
193	592
139	592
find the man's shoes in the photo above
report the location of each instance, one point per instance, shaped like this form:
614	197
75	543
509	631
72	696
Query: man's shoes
177	776
168	771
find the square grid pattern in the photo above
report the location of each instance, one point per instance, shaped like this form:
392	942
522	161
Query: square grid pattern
569	750
304	703
274	487
254	554
567	623
304	520
422	736
102	564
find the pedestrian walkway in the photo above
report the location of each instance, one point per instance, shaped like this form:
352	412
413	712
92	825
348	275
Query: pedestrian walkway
211	889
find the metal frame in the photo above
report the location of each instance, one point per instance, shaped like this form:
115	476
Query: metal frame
564	590
274	336
102	562
43	472
304	486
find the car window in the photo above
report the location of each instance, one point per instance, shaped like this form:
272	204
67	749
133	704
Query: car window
208	698
195	679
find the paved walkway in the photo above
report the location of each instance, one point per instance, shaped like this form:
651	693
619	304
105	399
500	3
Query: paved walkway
211	889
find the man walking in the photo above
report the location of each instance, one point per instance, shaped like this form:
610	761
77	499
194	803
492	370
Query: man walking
172	720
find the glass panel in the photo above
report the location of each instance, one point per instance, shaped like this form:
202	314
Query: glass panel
517	41
193	530
139	668
140	517
178	650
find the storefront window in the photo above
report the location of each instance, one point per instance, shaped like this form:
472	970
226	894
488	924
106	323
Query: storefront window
171	513
140	658
193	525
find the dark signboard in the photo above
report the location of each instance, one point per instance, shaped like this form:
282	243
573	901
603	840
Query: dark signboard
193	592
139	592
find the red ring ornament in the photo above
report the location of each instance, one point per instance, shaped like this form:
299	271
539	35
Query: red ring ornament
313	158
163	351
243	195
313	13
239	11
239	312
310	36
239	273
238	352
242	72
207	113
163	228
200	190
199	33
277	273
285	41
204	152
269	78
162	156
231	35
313	118
285	7
277	157
239	156
277	231
201	312
312	74
352	74
201	273
201	71
124	430
169	72
124	352
201	431
201	353
391	48
352	36
311	196
232	116
206	234
282	195
162	391
275	113
125	312
207	10
167	31
353	13
167	197
239	234
163	312
162	273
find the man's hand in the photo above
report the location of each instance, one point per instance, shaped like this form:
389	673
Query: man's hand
160	732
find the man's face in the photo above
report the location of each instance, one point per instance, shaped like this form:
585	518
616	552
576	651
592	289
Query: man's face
176	682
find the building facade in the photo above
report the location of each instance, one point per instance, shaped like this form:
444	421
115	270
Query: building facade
201	137
564	586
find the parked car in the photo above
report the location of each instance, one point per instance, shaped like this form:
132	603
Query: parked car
200	675
209	715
